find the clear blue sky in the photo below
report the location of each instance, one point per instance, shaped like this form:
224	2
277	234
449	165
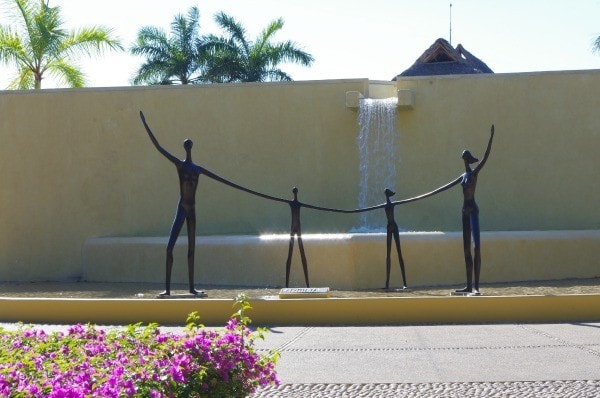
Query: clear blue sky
375	39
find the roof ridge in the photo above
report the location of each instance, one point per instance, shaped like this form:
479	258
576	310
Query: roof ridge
443	59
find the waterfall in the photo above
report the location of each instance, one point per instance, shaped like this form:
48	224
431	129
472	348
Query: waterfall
377	160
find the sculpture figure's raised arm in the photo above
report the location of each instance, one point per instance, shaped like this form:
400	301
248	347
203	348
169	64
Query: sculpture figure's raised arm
155	142
487	151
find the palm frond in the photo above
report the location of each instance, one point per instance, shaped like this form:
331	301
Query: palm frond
66	73
45	33
269	32
185	29
89	41
151	72
290	52
12	49
24	80
151	42
277	75
25	11
235	29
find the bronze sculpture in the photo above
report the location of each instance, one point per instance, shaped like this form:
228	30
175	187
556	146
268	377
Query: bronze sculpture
188	173
296	230
470	217
392	231
392	228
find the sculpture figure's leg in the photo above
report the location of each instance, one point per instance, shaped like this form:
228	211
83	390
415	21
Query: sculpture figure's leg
467	249
387	260
477	244
399	251
191	230
303	258
288	263
175	229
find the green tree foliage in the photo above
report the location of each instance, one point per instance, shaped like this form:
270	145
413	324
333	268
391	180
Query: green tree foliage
177	58
234	58
38	45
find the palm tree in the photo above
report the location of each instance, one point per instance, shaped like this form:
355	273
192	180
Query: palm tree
174	59
38	45
236	59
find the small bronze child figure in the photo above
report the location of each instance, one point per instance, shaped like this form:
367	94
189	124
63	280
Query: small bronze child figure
295	230
392	231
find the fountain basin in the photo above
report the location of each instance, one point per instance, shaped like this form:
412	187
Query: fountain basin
346	261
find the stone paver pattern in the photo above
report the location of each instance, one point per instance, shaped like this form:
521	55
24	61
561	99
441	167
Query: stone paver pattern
491	360
537	389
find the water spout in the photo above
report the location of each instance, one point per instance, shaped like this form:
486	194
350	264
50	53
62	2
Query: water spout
377	159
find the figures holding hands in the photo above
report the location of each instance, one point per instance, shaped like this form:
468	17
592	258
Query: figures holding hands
189	173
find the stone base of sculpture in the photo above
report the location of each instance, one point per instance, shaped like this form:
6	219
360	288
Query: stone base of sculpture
199	294
468	294
395	289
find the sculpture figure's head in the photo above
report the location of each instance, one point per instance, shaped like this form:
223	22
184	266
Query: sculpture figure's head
388	192
188	144
468	158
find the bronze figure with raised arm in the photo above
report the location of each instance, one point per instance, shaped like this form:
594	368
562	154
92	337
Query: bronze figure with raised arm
188	173
470	217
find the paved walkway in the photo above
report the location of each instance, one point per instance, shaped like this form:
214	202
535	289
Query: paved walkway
487	360
491	360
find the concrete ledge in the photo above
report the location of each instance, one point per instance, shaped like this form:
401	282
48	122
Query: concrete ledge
329	311
347	261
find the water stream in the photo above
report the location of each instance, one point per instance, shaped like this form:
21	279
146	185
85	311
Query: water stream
377	159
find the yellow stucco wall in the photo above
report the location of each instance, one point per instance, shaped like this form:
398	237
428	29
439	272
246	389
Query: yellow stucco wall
77	164
543	169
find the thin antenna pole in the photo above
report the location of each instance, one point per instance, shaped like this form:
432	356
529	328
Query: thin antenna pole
450	23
